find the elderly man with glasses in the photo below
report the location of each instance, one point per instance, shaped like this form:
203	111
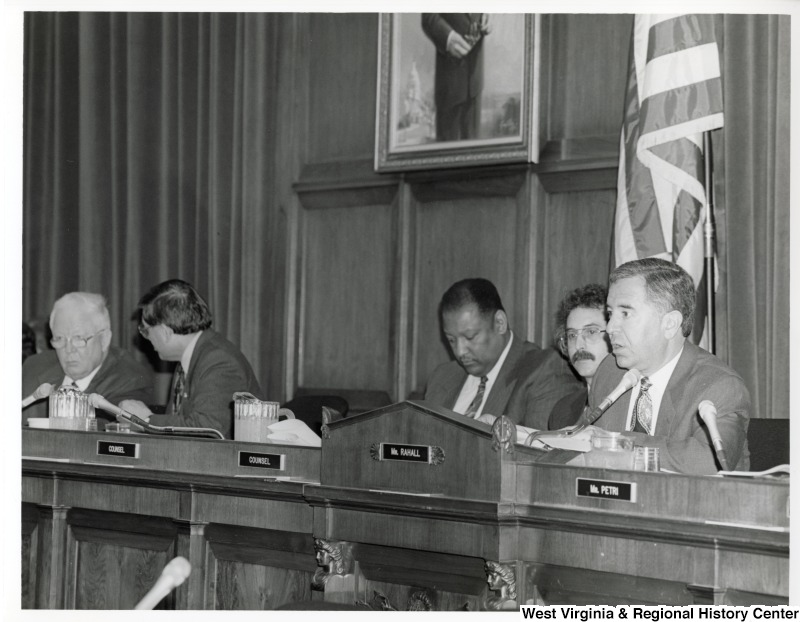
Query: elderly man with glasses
581	327
83	357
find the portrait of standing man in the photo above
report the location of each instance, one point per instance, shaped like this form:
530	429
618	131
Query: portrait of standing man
458	84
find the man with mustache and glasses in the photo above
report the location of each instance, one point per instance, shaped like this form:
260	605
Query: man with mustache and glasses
581	324
495	372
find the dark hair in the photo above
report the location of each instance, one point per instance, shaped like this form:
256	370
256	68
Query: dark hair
28	341
480	292
176	304
668	286
592	296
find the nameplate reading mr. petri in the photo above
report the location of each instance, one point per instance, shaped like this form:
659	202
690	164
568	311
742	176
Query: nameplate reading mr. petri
601	489
119	450
261	461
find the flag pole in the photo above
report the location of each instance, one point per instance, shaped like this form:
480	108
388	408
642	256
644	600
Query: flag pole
709	236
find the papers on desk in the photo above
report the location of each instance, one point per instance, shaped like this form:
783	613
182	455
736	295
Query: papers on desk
293	432
776	471
582	441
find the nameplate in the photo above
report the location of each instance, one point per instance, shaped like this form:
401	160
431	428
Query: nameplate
424	454
261	461
602	489
119	450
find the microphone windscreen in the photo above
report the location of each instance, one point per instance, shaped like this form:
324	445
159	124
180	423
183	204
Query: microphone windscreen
43	390
706	409
631	378
178	569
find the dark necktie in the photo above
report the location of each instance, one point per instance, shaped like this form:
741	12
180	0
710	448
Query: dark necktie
472	411
178	386
643	409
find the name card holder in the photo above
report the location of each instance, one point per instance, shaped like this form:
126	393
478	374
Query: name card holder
275	462
118	450
603	489
423	454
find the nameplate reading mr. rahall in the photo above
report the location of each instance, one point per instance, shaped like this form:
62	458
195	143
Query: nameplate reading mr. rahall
120	450
261	461
600	489
407	453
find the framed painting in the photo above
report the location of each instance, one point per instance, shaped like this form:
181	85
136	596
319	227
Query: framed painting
456	89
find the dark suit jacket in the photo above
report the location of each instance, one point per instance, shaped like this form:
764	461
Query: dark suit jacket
457	79
217	370
120	377
568	409
529	384
680	433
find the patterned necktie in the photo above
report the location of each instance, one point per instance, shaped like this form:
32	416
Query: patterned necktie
472	411
643	409
178	385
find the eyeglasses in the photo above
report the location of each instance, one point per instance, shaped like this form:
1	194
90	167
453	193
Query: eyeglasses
590	334
77	342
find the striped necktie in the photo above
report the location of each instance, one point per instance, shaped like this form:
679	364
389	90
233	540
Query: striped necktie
178	388
643	409
472	411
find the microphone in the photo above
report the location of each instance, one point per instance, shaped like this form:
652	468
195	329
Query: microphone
174	573
98	401
42	391
629	380
708	413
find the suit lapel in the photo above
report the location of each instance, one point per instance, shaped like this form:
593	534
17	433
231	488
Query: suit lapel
454	384
504	384
674	391
96	385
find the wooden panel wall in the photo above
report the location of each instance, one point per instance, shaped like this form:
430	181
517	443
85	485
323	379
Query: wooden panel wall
346	297
371	255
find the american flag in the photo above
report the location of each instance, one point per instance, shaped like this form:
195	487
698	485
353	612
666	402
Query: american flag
674	94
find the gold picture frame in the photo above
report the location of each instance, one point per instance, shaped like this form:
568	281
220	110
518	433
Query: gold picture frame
418	125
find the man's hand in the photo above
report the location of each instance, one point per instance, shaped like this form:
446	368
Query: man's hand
485	27
457	47
136	407
487	418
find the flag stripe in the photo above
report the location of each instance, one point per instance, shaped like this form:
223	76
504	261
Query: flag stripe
674	93
685	220
679	32
687	104
679	69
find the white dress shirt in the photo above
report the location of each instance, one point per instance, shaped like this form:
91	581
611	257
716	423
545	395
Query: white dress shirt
659	380
471	384
84	382
186	357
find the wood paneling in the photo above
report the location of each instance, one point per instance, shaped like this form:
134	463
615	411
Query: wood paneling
246	586
588	69
347	298
116	577
577	245
454	240
343	51
572	586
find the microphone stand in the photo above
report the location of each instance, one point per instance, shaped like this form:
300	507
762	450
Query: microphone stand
170	430
98	401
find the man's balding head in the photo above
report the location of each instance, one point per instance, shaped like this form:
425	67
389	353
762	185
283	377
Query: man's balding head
81	330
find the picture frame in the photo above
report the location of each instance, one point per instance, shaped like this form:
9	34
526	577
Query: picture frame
484	108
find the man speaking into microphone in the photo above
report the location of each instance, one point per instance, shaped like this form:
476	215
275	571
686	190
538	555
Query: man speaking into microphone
651	307
84	357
